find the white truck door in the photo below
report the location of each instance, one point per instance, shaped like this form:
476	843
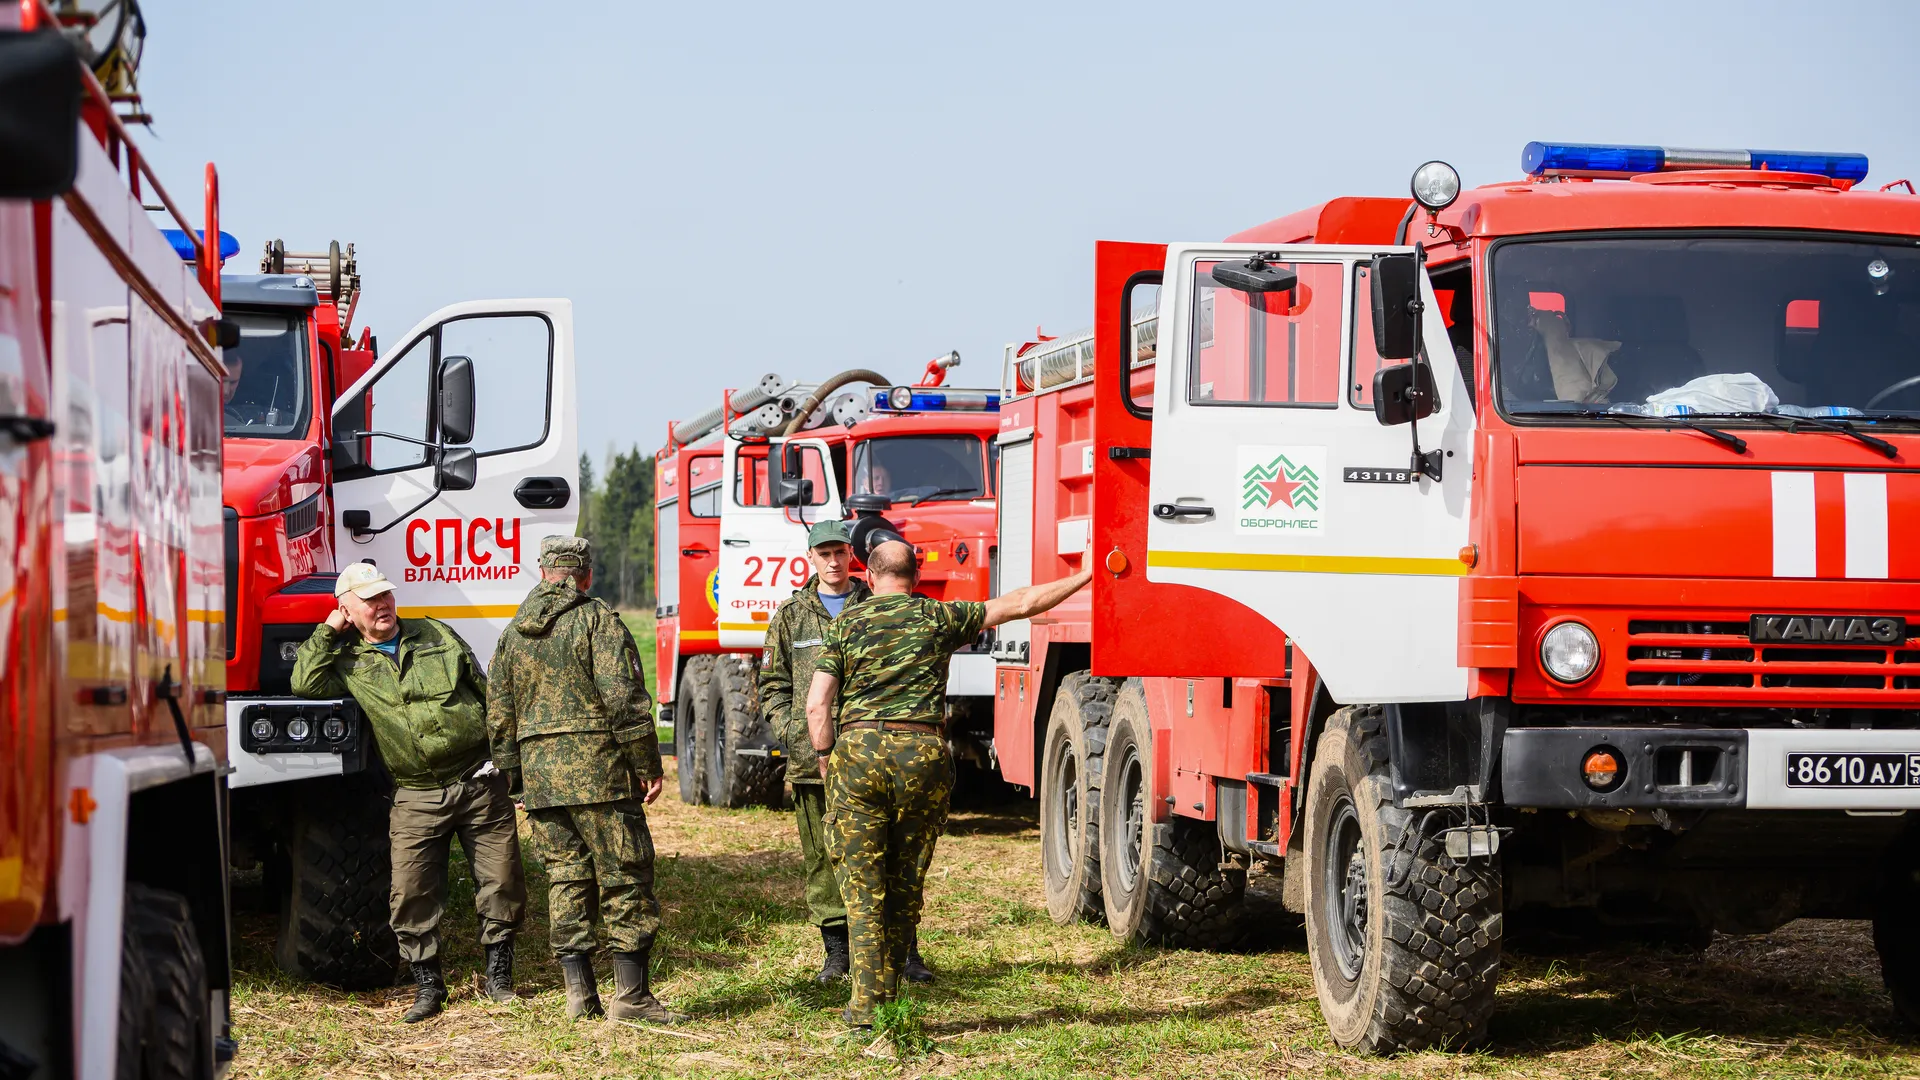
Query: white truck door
763	544
465	557
1273	483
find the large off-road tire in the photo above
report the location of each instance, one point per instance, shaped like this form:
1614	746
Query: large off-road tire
1896	933
1070	765
164	1030
334	914
692	695
1160	884
1405	942
737	780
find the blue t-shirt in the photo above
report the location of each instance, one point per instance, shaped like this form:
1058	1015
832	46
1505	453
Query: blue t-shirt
391	647
835	603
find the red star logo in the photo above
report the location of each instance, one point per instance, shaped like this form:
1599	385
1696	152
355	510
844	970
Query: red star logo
1280	489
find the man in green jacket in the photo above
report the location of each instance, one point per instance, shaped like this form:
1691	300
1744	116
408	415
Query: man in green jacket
793	644
573	730
425	696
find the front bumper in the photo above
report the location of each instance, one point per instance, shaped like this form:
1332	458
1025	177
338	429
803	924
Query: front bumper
1707	768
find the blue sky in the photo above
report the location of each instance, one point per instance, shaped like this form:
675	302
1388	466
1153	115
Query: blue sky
726	190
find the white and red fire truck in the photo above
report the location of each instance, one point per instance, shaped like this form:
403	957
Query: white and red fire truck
1595	609
739	486
113	876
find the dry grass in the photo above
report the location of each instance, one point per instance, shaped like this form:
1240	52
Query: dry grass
1021	996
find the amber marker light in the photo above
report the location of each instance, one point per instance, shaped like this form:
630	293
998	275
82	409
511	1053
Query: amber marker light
1116	562
1470	555
1602	769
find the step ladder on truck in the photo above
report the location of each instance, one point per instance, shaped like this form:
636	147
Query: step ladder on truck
1520	555
739	487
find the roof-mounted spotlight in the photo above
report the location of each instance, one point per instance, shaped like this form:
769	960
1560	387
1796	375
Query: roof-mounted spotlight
1435	186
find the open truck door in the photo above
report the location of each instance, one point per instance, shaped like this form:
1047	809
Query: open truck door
775	491
1259	495
455	454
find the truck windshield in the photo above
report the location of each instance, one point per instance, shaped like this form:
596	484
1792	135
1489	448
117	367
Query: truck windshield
911	469
266	385
1726	325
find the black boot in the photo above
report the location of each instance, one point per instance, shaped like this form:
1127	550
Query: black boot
500	971
916	970
631	998
583	989
429	991
835	968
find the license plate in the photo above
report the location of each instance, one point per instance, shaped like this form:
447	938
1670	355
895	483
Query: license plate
1853	770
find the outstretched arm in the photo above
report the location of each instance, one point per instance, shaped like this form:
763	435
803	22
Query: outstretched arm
820	697
1032	600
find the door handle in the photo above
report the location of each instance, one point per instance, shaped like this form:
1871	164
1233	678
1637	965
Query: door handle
1175	511
694	552
737	543
543	492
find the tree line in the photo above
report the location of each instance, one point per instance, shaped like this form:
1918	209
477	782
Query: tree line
616	514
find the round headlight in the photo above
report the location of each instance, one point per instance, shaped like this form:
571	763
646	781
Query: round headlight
262	730
298	729
1569	652
333	728
1435	185
900	397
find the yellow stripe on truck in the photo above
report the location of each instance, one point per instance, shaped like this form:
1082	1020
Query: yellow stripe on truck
1307	564
461	611
760	626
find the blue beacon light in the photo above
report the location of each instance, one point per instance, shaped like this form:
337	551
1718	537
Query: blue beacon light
1596	160
183	244
901	399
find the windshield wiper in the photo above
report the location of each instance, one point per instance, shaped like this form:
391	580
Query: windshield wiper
1731	441
1838	427
918	499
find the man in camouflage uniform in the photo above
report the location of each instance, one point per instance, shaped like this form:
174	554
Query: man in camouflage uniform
794	638
884	750
425	697
573	730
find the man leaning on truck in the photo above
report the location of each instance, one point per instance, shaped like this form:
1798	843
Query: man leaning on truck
425	697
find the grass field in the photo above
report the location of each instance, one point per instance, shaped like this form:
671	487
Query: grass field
1020	996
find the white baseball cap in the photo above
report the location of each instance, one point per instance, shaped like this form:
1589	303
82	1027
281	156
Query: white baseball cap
362	579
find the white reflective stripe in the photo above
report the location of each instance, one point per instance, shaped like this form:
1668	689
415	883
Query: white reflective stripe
1866	525
1793	526
1767	750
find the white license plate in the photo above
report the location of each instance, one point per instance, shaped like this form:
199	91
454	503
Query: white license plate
1810	770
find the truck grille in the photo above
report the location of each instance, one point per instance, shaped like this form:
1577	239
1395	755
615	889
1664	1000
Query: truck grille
1661	653
303	517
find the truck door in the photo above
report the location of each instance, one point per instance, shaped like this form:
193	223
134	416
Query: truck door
763	544
464	549
1272	486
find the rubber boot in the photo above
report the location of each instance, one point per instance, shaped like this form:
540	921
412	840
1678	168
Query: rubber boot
429	991
835	967
500	971
631	998
916	970
583	989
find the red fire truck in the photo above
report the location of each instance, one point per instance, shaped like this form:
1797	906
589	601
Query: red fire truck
113	878
445	461
755	474
1522	550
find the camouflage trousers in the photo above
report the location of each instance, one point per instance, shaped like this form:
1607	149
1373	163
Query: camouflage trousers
599	861
421	828
824	905
887	795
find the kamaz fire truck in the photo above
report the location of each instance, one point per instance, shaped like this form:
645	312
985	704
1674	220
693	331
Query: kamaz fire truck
113	877
1523	550
738	488
445	461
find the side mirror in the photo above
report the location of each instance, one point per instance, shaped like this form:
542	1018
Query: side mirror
226	334
39	114
791	467
1399	399
455	472
1256	275
793	492
349	449
456	400
1396	306
868	505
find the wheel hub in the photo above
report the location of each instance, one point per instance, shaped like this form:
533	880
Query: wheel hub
1133	790
1346	907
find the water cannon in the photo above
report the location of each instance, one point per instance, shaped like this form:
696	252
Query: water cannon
870	526
938	367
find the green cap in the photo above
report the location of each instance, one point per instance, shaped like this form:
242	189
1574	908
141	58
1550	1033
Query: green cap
829	532
557	552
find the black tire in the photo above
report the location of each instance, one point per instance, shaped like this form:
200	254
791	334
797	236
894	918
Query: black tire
1896	935
1070	797
1159	884
690	697
164	1029
1405	943
738	780
334	915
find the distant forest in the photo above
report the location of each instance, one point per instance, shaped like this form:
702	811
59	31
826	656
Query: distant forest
616	513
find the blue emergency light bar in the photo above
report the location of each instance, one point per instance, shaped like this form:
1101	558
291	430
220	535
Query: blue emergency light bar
901	399
1591	160
183	244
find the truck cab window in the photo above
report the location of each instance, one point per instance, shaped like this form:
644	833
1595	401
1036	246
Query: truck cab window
1277	348
912	469
264	395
